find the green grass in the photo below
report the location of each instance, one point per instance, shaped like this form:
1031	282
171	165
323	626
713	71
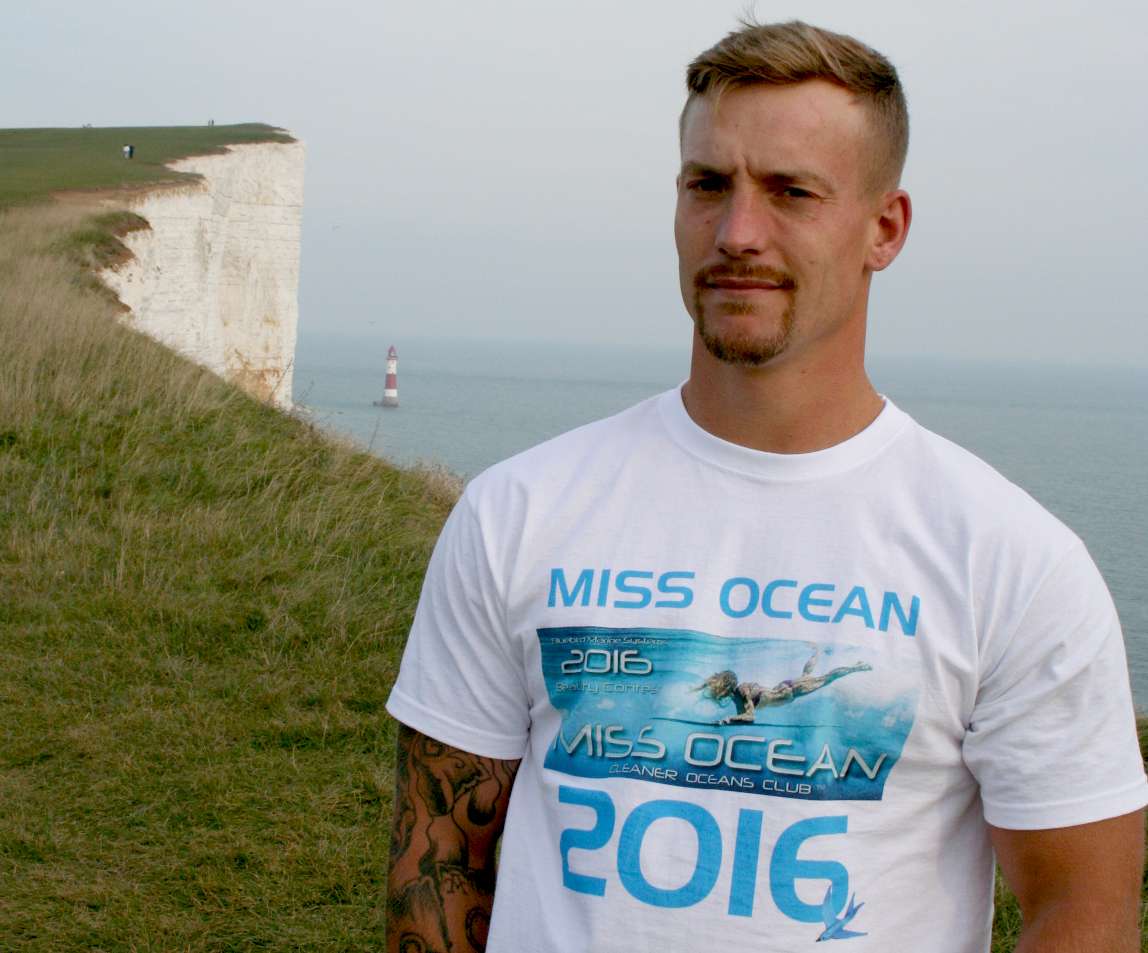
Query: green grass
36	162
204	601
202	606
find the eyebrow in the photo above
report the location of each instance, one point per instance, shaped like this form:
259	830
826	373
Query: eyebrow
778	177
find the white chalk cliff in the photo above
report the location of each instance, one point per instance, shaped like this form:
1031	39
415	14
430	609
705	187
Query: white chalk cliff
216	278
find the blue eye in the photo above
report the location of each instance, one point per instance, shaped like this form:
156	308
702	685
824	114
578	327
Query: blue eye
793	192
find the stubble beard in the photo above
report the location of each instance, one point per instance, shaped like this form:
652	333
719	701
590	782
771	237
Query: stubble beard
744	349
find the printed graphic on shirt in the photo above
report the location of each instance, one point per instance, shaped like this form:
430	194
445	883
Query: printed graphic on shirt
836	926
769	716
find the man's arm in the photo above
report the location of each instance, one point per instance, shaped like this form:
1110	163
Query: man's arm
1078	887
448	812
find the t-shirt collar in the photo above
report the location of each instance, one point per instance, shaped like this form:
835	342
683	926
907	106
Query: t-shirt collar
850	453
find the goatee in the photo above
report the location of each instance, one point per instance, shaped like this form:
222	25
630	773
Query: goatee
743	349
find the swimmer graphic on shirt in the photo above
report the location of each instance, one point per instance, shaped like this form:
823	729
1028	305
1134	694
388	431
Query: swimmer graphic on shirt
750	696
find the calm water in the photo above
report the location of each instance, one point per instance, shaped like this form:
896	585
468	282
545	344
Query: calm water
1076	439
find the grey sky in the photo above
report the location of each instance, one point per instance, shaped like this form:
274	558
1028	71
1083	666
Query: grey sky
505	169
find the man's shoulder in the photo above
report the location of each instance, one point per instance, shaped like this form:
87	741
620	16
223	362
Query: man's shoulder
576	455
964	490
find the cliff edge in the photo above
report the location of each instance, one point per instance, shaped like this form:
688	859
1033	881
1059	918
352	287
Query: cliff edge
216	276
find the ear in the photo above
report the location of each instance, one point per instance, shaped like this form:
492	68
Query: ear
891	228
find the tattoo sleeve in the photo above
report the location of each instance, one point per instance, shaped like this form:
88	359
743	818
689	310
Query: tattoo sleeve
448	812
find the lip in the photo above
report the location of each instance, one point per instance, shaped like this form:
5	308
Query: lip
742	284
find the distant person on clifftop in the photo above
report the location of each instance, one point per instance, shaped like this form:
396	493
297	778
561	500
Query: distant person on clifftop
774	505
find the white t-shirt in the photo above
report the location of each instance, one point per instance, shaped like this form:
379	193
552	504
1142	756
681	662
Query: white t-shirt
764	699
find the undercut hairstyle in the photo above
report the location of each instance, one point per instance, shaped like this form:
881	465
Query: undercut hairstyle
781	54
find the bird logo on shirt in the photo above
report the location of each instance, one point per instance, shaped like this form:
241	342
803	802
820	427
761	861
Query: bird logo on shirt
835	925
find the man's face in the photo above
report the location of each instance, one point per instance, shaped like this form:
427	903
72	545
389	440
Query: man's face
775	221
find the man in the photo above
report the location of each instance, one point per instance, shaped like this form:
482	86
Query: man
773	508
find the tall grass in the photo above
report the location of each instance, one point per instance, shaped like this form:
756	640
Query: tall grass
203	604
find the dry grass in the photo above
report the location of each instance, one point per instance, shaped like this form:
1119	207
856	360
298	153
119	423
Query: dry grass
204	602
56	324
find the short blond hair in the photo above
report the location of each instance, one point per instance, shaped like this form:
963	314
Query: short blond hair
781	54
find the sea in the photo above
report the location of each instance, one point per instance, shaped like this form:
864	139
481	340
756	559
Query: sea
1076	438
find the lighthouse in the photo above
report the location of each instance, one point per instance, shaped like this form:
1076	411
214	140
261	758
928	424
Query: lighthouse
391	385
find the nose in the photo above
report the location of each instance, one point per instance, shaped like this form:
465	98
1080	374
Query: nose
742	230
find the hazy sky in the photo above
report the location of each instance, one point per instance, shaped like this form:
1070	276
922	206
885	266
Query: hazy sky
504	168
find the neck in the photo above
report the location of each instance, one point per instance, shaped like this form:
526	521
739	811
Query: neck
786	406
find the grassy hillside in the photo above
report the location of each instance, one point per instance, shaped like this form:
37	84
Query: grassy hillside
35	162
204	603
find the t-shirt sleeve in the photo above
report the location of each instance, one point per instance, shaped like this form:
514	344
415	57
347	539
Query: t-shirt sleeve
459	682
1052	738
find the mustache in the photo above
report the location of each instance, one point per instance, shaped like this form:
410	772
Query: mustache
749	272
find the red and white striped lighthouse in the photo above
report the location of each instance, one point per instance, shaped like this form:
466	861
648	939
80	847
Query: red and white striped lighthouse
391	385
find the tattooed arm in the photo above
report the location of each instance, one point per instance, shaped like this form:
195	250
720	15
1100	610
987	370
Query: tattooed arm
449	809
